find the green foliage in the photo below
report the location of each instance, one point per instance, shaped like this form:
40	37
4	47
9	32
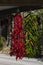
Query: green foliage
32	33
2	42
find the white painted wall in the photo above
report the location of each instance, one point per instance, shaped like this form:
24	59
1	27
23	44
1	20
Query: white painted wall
8	60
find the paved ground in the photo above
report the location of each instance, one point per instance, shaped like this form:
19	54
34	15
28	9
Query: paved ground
7	60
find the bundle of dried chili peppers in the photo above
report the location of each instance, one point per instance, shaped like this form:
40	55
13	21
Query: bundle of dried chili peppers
18	46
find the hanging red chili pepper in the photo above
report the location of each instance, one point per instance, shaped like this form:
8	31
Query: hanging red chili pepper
18	46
